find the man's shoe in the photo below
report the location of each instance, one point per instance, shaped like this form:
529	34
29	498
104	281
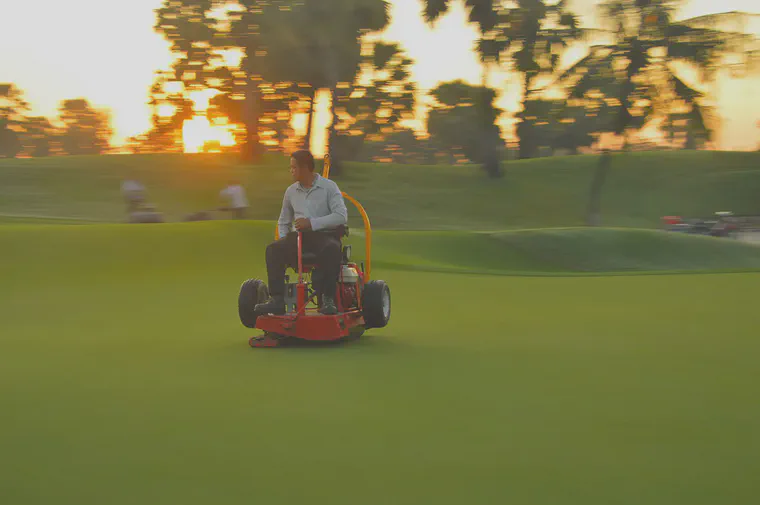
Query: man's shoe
275	305
328	307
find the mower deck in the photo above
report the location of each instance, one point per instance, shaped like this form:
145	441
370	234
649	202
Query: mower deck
311	325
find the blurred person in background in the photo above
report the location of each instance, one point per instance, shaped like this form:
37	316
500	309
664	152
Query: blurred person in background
237	203
134	195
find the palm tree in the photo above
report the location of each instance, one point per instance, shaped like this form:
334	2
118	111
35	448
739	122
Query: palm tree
641	72
335	32
374	106
457	104
319	43
533	34
193	33
484	14
481	12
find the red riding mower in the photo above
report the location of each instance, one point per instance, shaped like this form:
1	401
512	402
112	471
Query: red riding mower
362	303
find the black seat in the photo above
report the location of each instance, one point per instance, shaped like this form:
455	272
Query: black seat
340	232
309	258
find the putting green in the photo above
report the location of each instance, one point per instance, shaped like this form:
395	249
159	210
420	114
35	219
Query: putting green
125	378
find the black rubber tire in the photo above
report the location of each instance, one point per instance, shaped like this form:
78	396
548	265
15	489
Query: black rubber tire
252	292
372	304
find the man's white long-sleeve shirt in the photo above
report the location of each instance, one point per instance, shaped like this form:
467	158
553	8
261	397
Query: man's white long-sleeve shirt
322	204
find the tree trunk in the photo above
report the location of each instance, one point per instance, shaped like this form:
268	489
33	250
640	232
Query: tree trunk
526	147
594	214
491	159
336	166
310	121
251	150
491	163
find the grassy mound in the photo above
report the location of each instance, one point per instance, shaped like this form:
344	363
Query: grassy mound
547	192
555	251
131	249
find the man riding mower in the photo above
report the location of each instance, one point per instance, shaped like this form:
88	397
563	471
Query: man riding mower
333	298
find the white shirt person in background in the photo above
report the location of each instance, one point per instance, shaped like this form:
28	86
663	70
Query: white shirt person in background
237	202
134	195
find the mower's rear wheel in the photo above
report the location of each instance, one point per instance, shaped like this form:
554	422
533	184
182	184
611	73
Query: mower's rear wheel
376	304
252	292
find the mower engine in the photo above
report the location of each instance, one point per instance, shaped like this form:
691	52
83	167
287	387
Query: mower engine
349	280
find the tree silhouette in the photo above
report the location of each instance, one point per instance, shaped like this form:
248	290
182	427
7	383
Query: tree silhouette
13	107
290	50
337	30
85	130
556	125
484	14
170	108
198	33
459	105
532	34
640	74
376	104
39	138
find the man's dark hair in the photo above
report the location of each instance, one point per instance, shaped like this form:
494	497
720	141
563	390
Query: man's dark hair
304	158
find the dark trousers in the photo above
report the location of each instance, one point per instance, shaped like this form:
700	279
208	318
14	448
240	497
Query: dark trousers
284	252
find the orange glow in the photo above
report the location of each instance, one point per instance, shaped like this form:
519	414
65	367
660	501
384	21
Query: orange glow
201	98
174	87
231	57
166	110
201	135
198	132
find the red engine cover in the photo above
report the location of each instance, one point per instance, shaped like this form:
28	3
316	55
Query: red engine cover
348	295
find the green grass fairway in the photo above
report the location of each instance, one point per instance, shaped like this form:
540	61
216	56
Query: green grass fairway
126	379
545	192
571	251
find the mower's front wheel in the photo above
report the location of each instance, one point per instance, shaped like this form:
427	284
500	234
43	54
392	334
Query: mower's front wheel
376	304
252	292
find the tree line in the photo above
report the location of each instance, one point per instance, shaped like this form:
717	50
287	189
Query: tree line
79	128
642	69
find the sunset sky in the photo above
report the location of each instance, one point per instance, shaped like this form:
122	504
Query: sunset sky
107	52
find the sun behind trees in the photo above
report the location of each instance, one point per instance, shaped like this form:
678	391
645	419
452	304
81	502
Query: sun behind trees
79	128
289	51
248	75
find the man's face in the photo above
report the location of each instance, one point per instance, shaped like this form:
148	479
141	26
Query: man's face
293	169
296	172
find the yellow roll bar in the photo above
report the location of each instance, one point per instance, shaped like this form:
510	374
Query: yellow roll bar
326	171
365	217
367	231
